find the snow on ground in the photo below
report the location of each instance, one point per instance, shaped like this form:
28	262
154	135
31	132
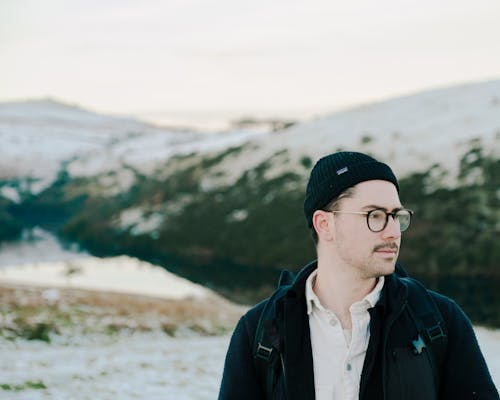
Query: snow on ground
164	358
489	340
139	366
117	274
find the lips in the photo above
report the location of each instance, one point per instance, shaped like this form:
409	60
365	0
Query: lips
386	251
391	249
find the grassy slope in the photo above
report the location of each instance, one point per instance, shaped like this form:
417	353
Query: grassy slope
35	313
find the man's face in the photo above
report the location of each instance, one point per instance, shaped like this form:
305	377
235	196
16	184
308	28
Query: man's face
372	254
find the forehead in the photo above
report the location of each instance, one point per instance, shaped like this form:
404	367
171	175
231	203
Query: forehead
375	192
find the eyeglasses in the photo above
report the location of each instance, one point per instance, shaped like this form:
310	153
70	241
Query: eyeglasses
377	219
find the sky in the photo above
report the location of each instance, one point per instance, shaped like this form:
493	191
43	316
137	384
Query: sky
294	57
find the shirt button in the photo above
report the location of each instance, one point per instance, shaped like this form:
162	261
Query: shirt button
348	367
332	321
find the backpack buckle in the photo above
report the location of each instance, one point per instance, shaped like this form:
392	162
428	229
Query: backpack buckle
264	352
435	332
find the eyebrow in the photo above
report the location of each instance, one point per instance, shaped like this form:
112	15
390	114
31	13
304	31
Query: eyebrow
376	207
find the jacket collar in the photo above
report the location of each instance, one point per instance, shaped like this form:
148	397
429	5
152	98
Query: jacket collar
393	288
393	295
298	287
296	335
299	373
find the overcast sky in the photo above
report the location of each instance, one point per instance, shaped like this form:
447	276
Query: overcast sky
125	56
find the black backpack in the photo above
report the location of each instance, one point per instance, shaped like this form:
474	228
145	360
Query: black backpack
428	321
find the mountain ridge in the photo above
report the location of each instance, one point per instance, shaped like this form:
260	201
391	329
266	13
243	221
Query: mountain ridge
446	118
40	138
227	212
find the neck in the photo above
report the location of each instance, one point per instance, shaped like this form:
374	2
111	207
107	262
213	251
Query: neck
338	287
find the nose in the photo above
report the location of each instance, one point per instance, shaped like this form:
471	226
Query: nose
392	230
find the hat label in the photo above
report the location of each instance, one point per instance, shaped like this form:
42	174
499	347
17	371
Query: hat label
342	170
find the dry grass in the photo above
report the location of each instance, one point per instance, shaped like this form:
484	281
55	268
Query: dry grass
38	313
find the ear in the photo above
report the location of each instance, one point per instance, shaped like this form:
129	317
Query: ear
323	224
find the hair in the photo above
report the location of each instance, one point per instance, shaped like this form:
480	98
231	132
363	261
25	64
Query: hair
333	205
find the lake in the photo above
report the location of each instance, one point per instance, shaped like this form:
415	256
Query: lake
479	297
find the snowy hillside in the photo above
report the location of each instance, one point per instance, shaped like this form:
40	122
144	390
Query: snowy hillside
39	136
118	274
410	133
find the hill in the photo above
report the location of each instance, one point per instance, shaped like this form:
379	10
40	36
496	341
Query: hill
42	137
229	215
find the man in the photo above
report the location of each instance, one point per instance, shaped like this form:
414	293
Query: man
349	325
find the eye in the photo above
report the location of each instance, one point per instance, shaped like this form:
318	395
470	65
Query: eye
377	215
402	215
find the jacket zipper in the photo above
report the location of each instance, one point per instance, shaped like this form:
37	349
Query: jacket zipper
279	317
284	374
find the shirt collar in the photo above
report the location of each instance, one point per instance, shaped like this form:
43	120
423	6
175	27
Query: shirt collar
312	300
373	297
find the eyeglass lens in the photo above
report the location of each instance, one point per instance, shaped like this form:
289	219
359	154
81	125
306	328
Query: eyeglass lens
377	219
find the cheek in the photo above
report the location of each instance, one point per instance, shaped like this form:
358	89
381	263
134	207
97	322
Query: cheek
357	237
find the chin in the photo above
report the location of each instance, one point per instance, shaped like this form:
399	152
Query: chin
387	268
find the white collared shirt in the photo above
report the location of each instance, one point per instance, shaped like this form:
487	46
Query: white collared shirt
338	355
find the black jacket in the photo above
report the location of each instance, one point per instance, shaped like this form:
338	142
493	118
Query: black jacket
390	372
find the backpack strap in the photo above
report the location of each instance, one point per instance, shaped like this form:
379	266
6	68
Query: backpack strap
266	347
432	333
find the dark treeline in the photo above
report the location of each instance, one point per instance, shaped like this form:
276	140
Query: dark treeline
455	230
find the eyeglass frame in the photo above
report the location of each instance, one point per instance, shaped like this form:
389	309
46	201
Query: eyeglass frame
387	214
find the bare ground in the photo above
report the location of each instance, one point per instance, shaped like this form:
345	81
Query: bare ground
39	313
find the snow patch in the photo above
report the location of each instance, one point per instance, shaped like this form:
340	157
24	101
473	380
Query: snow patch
489	341
10	193
237	216
143	365
118	274
147	365
140	221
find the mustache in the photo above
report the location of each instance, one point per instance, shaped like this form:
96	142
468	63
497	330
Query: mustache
391	246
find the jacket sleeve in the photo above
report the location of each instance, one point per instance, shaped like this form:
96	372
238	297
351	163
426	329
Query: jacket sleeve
465	374
239	379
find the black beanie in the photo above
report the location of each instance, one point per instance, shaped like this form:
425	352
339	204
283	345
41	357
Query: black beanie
337	172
